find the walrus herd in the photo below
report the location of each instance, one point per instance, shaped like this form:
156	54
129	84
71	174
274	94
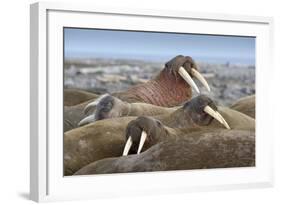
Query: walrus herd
157	126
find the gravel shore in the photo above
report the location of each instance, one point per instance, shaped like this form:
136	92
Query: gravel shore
227	82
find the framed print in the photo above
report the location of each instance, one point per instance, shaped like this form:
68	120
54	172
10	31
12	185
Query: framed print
123	98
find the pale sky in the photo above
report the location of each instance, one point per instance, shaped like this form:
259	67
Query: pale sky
87	43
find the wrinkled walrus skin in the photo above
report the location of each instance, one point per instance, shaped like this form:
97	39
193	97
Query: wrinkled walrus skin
167	89
198	150
106	138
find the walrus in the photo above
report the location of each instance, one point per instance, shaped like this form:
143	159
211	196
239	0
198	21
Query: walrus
144	132
107	106
111	107
246	105
171	87
196	150
105	138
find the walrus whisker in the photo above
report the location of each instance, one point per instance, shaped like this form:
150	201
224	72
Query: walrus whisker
200	77
184	74
128	145
87	120
142	141
216	115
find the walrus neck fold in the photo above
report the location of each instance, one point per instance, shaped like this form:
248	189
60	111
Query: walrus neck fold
176	90
167	89
178	119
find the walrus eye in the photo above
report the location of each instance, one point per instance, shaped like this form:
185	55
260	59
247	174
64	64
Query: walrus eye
216	115
185	75
158	123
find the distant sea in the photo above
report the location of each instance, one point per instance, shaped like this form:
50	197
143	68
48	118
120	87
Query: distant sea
162	58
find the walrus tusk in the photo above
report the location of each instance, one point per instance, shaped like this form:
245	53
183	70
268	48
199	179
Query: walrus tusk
200	77
213	113
216	115
127	146
87	120
94	103
224	122
188	79
142	141
90	106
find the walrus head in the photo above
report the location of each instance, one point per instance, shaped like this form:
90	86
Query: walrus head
172	86
104	107
185	68
196	108
144	132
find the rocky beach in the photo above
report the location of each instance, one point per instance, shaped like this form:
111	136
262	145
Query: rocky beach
228	82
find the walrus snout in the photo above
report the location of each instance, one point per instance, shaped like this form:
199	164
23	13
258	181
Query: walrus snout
107	106
142	133
186	67
175	63
202	110
97	109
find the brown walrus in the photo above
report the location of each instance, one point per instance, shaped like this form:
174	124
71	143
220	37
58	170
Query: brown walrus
246	105
105	138
111	107
171	87
107	106
196	150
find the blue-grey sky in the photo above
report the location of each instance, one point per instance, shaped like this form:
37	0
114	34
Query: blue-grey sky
91	43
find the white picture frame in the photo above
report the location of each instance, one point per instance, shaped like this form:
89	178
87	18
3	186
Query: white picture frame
46	163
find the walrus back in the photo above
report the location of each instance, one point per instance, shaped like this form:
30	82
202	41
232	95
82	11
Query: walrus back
235	119
246	105
201	150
